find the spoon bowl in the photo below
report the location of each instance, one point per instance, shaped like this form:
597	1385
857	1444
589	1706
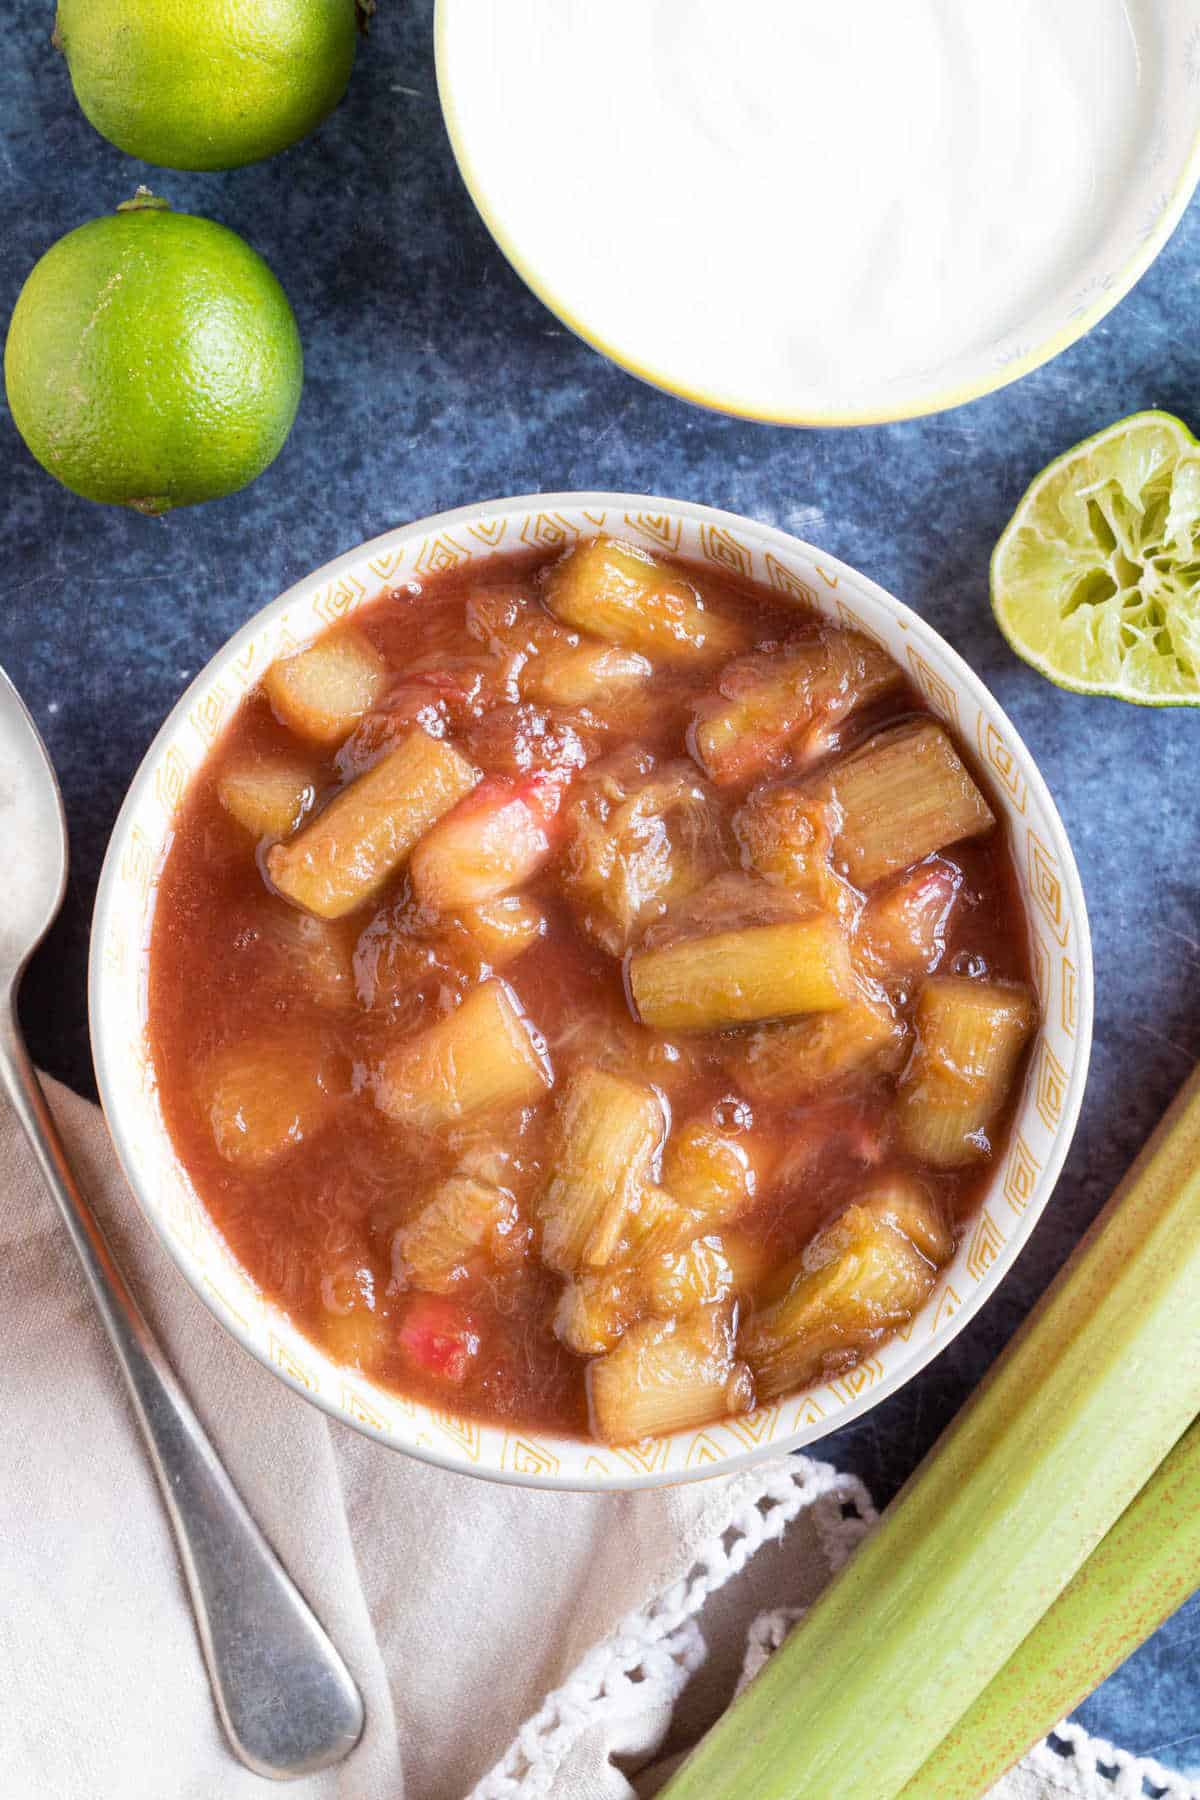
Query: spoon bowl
33	823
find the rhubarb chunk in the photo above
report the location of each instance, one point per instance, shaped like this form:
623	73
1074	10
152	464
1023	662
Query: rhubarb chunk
363	836
786	835
505	928
482	1055
713	1174
903	796
678	1281
439	1337
656	1224
321	693
266	1096
595	1309
269	795
609	1132
734	977
621	594
637	840
492	841
353	1337
788	1062
907	1205
970	1035
902	932
667	1376
463	1220
858	1278
801	692
583	675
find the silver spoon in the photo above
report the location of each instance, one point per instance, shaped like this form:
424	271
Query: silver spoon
284	1695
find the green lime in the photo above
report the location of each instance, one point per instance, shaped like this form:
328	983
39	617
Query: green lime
153	360
1096	577
206	84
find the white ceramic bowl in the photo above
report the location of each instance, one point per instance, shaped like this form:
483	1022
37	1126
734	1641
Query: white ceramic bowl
825	214
471	537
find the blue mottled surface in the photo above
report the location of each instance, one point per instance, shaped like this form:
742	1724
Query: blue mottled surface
434	378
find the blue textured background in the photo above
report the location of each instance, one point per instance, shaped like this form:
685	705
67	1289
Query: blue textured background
433	379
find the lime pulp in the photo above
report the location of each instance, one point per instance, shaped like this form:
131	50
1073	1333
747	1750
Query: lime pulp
1096	578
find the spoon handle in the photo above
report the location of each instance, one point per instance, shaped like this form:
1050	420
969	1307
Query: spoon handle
284	1695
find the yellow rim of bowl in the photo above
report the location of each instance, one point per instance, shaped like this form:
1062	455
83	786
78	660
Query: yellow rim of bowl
1052	346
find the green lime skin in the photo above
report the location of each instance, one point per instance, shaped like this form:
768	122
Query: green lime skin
153	360
206	84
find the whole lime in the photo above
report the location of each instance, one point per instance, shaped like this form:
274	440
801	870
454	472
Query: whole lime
206	84
153	360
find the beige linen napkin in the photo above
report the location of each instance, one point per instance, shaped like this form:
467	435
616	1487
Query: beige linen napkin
507	1642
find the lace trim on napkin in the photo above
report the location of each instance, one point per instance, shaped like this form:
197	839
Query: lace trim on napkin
1079	1764
651	1655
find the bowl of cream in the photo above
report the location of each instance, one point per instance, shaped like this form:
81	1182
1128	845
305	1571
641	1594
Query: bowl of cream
826	212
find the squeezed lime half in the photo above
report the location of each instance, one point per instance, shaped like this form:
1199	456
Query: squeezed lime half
1096	577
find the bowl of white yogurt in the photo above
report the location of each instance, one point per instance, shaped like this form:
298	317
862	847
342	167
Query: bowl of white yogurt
826	212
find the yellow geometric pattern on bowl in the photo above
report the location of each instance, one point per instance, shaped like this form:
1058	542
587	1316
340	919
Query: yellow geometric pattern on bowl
813	582
659	528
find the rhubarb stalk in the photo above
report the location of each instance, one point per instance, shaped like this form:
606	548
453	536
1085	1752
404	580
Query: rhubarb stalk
1072	1420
